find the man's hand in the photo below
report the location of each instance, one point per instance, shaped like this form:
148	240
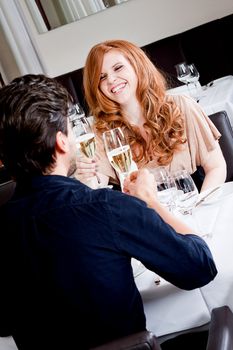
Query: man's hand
142	185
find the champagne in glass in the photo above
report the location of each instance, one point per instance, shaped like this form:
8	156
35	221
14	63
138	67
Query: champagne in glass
118	152
85	140
120	158
87	145
85	137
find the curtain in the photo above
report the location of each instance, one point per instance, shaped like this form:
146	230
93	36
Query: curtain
76	9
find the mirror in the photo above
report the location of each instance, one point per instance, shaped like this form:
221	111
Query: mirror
51	14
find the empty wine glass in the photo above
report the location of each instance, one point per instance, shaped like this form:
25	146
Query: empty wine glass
194	79
187	194
183	73
166	187
118	152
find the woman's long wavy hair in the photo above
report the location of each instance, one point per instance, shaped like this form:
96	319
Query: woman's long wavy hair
164	121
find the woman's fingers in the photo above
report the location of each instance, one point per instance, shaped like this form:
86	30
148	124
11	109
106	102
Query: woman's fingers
86	168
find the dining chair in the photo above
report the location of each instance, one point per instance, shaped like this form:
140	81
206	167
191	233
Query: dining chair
222	123
216	335
144	340
6	191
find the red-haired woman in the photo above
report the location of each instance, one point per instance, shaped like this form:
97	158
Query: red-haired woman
124	88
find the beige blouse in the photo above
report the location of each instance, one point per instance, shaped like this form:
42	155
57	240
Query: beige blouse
201	134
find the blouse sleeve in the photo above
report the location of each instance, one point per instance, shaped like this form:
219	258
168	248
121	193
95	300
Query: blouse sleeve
201	133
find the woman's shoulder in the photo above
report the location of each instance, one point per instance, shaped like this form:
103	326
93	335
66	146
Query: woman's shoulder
183	101
190	109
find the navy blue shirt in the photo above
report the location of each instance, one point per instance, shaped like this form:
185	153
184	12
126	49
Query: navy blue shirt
66	275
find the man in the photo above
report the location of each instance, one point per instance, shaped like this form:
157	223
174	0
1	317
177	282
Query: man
65	250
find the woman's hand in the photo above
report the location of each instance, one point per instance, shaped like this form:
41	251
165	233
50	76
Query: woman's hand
215	169
87	173
86	169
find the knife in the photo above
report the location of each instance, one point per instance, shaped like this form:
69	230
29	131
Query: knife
206	196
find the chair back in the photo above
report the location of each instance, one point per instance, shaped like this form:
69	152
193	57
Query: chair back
222	123
6	191
221	329
216	335
138	341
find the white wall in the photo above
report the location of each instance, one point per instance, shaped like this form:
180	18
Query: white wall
141	21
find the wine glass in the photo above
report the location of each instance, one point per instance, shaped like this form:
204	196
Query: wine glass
194	79
187	194
183	73
118	152
166	187
85	141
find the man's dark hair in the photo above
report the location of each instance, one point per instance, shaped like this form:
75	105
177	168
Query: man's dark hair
33	108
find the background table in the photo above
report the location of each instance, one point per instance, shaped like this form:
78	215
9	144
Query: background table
214	98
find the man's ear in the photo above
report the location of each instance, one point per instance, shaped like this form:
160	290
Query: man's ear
62	144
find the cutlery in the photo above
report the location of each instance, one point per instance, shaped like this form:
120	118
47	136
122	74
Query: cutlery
206	196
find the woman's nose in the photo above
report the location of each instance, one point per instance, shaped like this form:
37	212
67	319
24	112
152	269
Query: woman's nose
111	78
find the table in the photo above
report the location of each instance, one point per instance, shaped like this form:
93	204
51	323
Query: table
214	98
169	309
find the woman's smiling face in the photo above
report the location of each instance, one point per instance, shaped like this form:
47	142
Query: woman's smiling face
118	80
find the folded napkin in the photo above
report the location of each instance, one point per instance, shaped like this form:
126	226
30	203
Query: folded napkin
202	220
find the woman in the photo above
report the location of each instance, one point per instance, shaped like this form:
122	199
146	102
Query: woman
124	88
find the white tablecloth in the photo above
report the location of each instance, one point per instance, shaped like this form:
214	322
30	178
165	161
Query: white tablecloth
169	309
214	98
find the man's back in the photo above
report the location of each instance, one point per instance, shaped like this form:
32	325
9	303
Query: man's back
68	249
61	243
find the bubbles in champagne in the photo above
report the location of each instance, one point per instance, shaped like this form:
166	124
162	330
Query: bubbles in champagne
86	143
121	159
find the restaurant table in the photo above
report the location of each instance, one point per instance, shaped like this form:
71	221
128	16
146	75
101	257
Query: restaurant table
169	309
214	97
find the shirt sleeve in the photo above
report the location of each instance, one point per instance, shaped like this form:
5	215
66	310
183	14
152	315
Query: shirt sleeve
202	135
184	260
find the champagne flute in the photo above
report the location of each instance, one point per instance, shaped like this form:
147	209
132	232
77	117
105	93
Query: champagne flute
118	152
85	137
85	141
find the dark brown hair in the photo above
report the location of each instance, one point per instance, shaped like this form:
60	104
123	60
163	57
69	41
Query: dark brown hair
33	108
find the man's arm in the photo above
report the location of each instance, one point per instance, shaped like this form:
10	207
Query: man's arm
142	185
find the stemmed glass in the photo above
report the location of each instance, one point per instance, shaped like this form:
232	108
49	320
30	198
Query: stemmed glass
194	79
118	152
166	186
183	73
85	141
187	192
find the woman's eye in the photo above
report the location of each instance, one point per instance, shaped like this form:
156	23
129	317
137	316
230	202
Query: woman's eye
118	67
102	77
